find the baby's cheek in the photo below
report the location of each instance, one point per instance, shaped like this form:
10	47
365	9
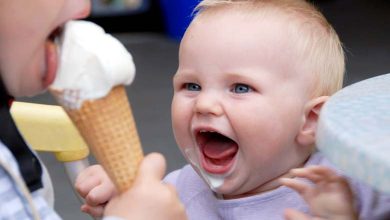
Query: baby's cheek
182	137
181	124
183	141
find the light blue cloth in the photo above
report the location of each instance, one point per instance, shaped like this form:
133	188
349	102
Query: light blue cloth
354	131
14	203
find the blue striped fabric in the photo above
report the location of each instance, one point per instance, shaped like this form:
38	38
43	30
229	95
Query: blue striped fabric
13	202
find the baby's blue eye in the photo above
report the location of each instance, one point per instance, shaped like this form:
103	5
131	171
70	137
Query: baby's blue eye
192	87
241	88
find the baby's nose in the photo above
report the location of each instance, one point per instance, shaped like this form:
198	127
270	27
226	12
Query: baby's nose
208	103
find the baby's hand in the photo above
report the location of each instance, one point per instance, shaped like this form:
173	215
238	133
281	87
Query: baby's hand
94	185
330	198
149	197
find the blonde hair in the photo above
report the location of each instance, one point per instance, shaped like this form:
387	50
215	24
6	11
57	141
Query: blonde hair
318	43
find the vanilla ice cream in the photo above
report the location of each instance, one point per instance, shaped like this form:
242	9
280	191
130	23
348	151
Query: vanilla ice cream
91	63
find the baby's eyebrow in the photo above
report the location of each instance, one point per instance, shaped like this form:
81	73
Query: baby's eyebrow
180	77
234	74
177	77
183	75
238	75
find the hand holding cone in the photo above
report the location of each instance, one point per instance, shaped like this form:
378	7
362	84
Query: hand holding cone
108	127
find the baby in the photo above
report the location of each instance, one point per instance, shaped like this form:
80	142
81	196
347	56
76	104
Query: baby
252	78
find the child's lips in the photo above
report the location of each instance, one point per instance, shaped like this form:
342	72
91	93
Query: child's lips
51	63
51	57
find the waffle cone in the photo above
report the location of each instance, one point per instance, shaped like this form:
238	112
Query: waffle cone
108	127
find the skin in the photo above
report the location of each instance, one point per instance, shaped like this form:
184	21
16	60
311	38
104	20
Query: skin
27	56
237	84
94	185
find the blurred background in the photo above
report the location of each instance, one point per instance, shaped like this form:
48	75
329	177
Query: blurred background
151	31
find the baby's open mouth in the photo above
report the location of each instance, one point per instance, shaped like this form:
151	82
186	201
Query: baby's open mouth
217	151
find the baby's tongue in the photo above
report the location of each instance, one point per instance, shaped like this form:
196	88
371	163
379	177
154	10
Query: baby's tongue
220	149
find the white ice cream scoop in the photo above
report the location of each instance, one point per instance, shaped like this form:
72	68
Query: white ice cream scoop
92	62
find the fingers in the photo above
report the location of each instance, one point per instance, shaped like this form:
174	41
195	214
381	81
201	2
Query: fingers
85	187
291	214
322	177
152	168
88	172
88	179
296	185
316	174
95	211
100	194
96	188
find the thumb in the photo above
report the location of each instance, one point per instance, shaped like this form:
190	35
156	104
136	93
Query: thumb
152	168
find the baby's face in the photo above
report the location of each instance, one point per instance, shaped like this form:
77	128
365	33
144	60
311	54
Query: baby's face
238	102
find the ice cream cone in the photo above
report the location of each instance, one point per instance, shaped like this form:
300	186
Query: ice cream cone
108	127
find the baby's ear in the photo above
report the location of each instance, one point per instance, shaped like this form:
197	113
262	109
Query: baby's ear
307	133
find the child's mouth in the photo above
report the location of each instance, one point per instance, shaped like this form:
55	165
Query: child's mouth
217	151
51	58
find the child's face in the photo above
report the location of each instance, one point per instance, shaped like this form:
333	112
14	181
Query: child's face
239	99
27	56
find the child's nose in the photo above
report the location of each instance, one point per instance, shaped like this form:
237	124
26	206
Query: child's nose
79	8
208	104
